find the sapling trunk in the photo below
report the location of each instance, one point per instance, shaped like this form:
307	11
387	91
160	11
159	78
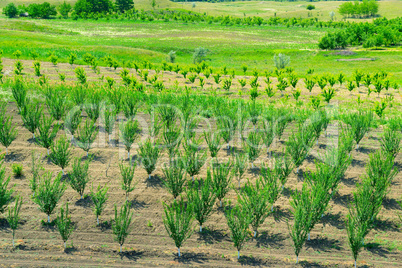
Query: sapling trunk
121	248
178	251
200	228
48	218
238	254
65	245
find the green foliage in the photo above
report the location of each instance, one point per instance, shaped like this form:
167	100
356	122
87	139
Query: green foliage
19	91
56	101
309	83
17	169
45	135
81	75
72	121
194	160
64	224
202	198
328	94
5	194
240	164
360	123
13	216
310	7
355	234
255	200
299	144
8	133
130	105
64	9
121	223
54	59
99	199
360	9
390	141
10	10
72	58
238	220
174	178
149	155
127	177
200	54
36	66
36	168
222	177
18	67
178	221
79	175
43	11
48	193
129	132
281	61
379	107
87	135
253	145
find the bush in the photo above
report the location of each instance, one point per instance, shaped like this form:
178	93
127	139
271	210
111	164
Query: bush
10	10
121	224
44	10
48	193
17	169
310	7
178	221
13	217
238	220
79	176
64	225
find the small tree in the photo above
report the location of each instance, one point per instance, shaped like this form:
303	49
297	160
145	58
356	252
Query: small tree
240	165
8	133
202	198
355	235
178	222
45	135
36	168
48	193
121	224
222	178
213	142
299	144
238	220
127	177
13	217
281	61
301	205
149	155
87	135
99	199
390	142
64	225
200	54
360	123
109	119
56	102
175	178
255	200
61	153
129	133
194	160
72	121
253	146
30	114
79	175
268	134
5	194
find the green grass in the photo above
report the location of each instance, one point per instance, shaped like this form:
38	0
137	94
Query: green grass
229	46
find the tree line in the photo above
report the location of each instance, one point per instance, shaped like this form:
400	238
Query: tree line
367	8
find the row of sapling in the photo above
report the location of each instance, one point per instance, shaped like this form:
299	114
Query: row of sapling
8	133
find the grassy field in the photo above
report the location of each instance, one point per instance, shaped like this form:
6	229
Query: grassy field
232	46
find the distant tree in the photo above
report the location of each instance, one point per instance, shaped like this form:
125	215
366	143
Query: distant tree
281	61
64	9
124	5
200	54
82	7
172	56
44	10
10	10
310	7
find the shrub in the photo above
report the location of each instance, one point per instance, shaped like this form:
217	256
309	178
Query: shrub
36	66
310	7
222	178
127	177
48	193
121	224
45	136
149	154
64	225
200	54
174	178
18	67
178	221
56	102
61	153
87	135
255	200
54	59
17	169
13	217
240	165
5	194
81	75
10	10
281	61
99	199
30	115
79	175
202	198
8	133
129	133
72	58
19	91
238	220
390	141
